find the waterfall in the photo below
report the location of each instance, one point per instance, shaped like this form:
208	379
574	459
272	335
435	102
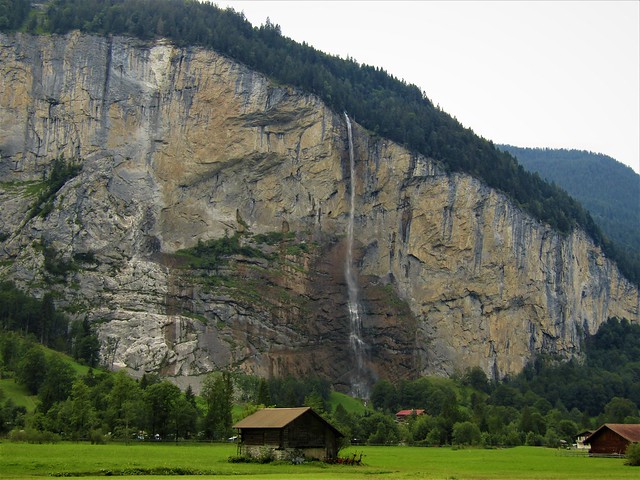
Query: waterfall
359	383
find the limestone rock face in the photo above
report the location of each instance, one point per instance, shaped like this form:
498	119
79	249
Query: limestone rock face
182	145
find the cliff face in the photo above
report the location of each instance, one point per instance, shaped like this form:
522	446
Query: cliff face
181	146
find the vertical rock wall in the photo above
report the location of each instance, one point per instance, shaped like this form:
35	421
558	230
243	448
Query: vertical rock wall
184	145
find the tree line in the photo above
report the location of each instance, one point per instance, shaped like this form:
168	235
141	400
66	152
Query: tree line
13	13
383	104
547	404
549	401
86	407
100	404
39	319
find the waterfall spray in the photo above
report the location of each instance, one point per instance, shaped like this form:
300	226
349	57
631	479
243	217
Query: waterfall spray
359	384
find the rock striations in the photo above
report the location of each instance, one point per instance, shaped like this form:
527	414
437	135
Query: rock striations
181	146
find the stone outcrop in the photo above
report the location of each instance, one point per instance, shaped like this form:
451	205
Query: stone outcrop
180	146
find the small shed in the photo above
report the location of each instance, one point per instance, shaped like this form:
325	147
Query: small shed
402	415
288	430
613	438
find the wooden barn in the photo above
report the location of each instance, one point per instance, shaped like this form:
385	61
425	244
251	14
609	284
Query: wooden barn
613	438
287	430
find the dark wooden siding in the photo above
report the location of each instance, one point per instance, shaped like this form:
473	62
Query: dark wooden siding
262	436
307	431
608	442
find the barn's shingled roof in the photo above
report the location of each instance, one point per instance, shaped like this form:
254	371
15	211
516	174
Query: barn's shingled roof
271	418
278	418
628	431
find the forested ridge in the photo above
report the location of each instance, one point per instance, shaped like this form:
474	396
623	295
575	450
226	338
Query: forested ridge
607	188
380	102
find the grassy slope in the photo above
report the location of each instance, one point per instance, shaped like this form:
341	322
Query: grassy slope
18	394
350	404
81	370
22	461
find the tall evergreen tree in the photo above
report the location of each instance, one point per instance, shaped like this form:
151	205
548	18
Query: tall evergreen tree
57	383
160	399
32	369
217	391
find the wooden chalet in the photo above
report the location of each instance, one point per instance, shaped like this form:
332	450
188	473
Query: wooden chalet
287	430
402	415
613	438
580	438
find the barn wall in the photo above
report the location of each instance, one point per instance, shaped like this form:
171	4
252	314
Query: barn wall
262	436
257	451
307	431
608	442
331	444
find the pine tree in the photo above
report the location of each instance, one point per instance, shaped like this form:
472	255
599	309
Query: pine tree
217	391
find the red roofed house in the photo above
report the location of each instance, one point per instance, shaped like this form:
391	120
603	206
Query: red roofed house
613	438
402	415
285	430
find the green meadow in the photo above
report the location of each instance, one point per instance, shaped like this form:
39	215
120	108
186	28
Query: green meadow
191	461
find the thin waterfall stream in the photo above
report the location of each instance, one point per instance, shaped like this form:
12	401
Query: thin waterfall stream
359	383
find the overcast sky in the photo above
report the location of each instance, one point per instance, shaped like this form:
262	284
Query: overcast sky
558	74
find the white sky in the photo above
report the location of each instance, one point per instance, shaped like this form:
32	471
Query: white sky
558	74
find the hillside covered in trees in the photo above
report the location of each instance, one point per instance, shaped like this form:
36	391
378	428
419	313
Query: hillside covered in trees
549	402
380	102
607	188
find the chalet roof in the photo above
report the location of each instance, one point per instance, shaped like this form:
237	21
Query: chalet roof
271	418
403	413
278	418
628	431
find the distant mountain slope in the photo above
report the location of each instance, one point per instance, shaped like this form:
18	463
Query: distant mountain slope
609	190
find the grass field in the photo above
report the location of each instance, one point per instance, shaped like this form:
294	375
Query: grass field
155	461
